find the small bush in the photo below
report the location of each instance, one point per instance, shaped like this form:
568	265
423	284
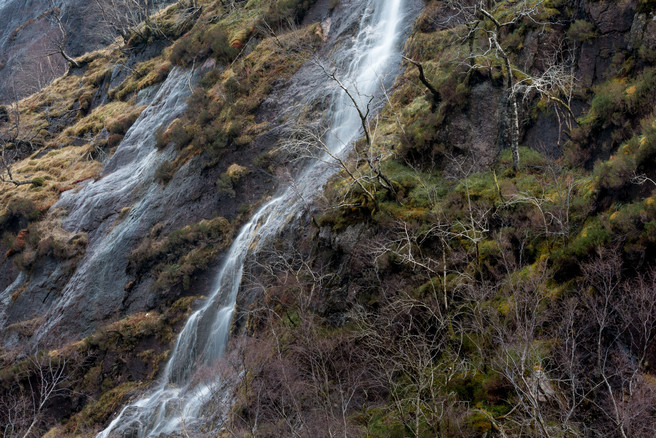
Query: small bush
211	78
63	247
640	94
608	105
146	74
85	102
177	132
196	46
225	184
114	140
169	250
164	172
646	6
646	153
219	43
284	10
420	139
122	124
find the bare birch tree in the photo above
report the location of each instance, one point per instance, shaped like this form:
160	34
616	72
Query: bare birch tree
23	405
485	24
56	17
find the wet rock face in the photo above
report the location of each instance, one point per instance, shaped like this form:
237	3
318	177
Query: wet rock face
643	31
620	33
613	22
26	41
117	212
26	37
484	129
612	15
477	130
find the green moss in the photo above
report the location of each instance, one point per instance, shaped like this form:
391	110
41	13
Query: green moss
617	101
593	235
634	157
39	181
100	411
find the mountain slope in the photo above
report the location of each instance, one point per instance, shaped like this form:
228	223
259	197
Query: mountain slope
482	263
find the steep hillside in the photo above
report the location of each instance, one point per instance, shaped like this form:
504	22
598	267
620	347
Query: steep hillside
480	262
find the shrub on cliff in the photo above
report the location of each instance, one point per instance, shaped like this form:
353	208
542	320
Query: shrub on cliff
197	46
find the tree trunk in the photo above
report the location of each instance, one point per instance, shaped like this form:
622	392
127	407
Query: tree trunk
514	145
436	98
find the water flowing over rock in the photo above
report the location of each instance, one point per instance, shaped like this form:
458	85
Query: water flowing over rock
96	289
365	64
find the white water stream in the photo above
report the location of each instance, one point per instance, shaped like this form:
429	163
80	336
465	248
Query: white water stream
177	401
127	184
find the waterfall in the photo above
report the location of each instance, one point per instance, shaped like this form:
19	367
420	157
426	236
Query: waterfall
5	297
176	401
126	184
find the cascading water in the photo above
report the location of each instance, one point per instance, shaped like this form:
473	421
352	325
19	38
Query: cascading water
128	184
176	402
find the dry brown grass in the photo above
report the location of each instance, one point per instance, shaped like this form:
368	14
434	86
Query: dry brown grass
60	169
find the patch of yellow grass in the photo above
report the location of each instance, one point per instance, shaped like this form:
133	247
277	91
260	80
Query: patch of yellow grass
60	170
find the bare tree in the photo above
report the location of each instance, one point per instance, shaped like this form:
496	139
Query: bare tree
414	349
624	325
435	95
364	110
556	84
124	18
56	16
598	369
23	404
366	170
13	139
307	142
488	21
552	201
521	353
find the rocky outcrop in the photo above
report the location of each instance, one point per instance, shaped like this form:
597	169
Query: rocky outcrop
613	21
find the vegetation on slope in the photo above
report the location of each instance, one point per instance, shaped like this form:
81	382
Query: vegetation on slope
472	299
63	136
445	286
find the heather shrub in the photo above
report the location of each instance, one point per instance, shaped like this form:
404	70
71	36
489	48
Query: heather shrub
19	212
122	124
283	10
199	45
114	140
177	132
219	43
164	172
